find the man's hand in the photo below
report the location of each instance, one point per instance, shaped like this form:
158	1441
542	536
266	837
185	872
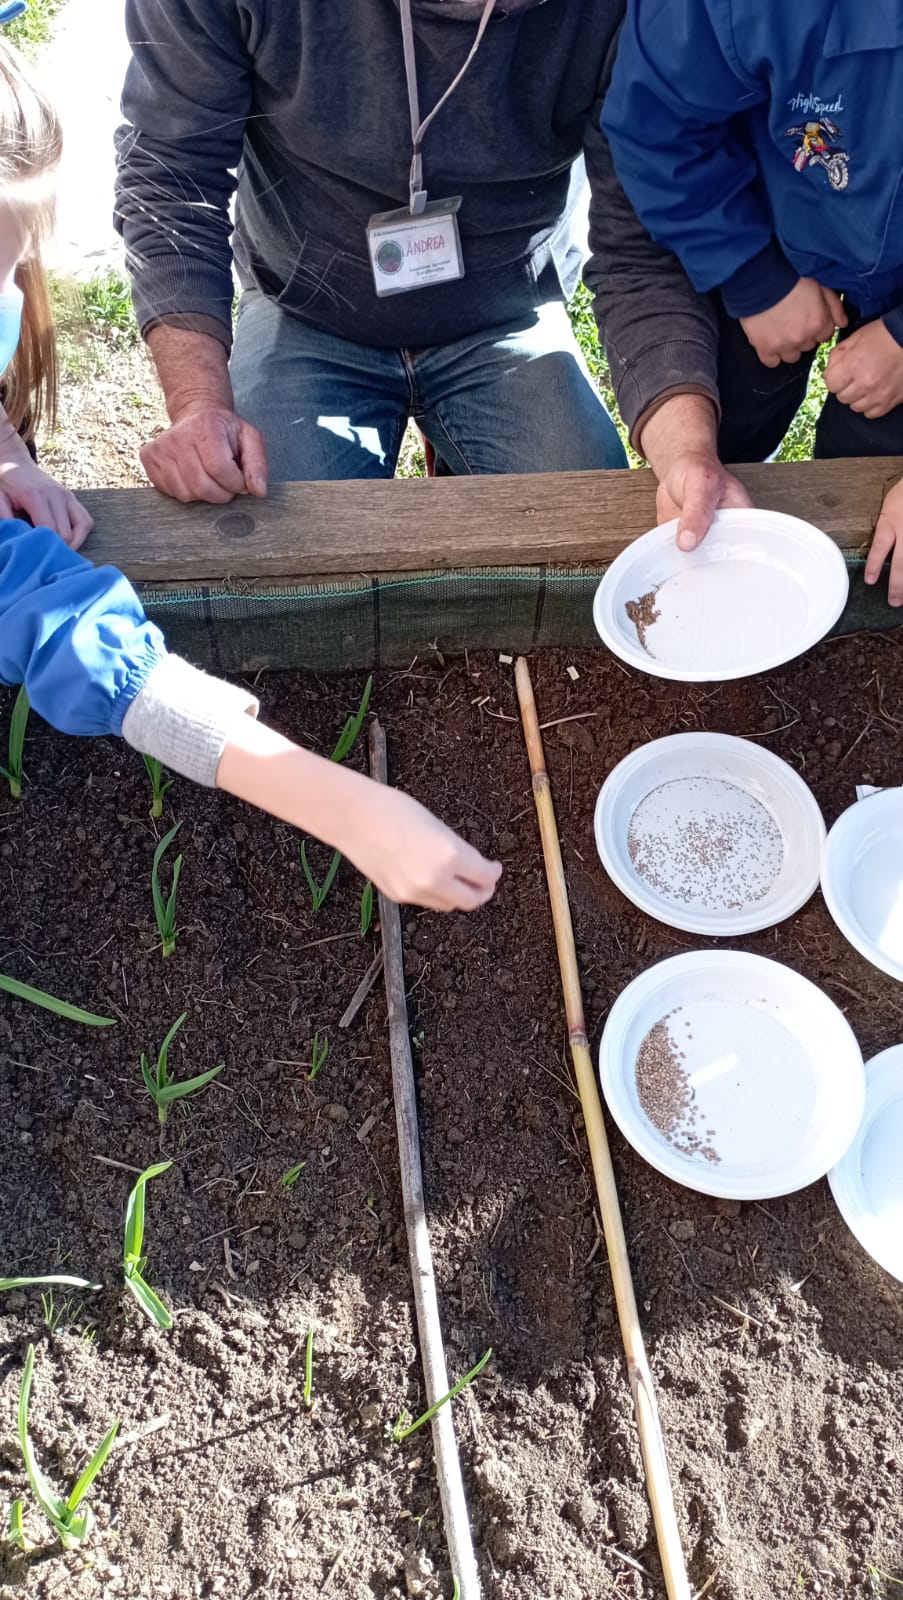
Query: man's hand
209	453
865	372
693	489
805	318
889	537
680	442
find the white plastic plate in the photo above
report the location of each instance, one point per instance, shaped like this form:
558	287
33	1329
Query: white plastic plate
867	1183
710	834
760	589
732	1074
862	878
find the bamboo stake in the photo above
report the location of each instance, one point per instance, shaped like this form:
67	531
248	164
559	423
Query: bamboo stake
652	1444
448	1465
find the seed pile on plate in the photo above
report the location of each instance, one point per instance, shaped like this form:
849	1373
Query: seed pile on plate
666	1094
706	843
643	613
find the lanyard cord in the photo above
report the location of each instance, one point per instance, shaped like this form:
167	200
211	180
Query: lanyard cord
418	128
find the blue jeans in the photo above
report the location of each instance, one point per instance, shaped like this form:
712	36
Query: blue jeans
506	400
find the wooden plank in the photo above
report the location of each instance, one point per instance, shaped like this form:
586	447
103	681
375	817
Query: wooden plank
401	525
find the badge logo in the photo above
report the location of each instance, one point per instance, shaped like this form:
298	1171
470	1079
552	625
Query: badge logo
818	147
390	257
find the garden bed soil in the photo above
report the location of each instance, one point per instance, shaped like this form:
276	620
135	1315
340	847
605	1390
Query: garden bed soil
775	1341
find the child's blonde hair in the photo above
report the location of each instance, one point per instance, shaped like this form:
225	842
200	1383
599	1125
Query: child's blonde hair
31	144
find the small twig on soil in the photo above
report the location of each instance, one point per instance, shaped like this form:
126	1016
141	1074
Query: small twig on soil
578	716
735	1311
706	1586
362	990
631	1561
333	938
138	1434
122	1165
332	1571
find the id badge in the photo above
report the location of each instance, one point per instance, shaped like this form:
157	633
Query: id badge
412	252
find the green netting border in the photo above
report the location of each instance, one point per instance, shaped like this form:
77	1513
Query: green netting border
373	621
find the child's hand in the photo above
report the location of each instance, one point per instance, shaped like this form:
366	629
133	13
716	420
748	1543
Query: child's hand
24	487
413	857
806	317
889	537
866	371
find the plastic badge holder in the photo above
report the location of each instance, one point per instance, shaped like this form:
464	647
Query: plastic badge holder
732	1074
760	589
710	834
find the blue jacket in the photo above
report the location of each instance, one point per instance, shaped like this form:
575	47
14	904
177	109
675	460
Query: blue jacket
74	634
758	140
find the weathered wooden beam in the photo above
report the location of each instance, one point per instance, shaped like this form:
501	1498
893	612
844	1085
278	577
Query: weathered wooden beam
316	529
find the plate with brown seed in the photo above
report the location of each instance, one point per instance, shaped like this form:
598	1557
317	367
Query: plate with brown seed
761	588
732	1074
710	833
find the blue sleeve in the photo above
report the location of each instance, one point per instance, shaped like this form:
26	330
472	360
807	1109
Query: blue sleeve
676	87
74	634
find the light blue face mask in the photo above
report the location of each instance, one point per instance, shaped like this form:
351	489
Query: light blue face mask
10	325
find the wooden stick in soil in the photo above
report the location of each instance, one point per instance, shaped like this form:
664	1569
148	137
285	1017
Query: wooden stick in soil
448	1465
652	1444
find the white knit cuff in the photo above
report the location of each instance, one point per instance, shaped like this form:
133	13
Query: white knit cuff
184	718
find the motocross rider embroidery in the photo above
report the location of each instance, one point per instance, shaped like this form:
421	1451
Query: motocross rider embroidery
818	148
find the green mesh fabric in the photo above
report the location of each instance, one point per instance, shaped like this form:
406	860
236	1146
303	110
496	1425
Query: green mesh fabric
371	622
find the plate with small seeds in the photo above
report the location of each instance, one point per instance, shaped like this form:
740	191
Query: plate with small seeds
732	1074
760	589
711	834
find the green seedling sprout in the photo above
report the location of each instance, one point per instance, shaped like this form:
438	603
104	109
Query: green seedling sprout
366	909
57	1279
133	1260
17	1525
158	1083
165	910
319	891
15	771
344	745
60	1008
63	1515
318	1053
155	770
404	1427
290	1178
309	1371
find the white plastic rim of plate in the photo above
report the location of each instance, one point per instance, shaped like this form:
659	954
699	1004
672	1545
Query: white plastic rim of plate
732	1074
760	589
710	834
862	878
867	1184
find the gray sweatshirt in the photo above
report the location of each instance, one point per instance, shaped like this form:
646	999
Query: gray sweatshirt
303	105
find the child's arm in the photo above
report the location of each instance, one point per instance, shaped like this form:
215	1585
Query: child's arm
25	488
78	638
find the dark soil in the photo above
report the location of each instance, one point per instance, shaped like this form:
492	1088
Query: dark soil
775	1341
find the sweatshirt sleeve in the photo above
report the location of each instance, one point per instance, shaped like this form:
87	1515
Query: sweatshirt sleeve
660	336
186	100
77	637
677	85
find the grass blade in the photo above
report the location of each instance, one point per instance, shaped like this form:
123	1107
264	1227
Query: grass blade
94	1465
353	726
60	1008
366	909
176	1091
165	910
399	1434
54	1278
148	1300
17	1525
290	1178
52	1507
134	1212
15	771
309	1370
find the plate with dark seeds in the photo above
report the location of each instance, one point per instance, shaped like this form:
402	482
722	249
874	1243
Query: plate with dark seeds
732	1074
